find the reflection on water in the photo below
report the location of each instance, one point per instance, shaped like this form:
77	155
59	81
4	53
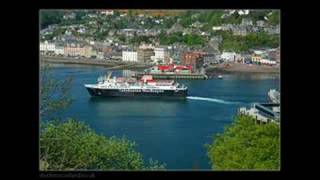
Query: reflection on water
135	106
250	76
137	99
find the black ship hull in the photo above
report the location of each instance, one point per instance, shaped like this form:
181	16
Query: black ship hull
136	93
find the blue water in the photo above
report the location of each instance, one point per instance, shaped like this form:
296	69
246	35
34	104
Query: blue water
171	131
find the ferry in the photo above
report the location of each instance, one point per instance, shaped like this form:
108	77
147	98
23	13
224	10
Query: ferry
126	87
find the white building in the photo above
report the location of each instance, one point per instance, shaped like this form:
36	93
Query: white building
100	55
130	56
159	54
259	59
47	46
107	12
59	50
216	28
146	46
228	56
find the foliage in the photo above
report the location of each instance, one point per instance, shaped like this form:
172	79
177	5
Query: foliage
246	145
54	94
139	39
185	18
72	145
102	35
169	22
257	15
80	15
233	19
50	17
274	18
244	43
188	39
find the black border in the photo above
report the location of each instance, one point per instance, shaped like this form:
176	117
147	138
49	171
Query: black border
32	71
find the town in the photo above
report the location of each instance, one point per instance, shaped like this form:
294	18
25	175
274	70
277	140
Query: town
195	41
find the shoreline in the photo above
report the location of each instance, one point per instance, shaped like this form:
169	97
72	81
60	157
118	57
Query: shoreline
120	65
109	64
242	68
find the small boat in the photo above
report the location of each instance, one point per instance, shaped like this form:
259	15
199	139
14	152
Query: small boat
220	76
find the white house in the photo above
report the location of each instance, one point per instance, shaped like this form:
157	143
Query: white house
130	56
146	46
159	54
228	56
107	12
216	28
46	46
59	50
260	59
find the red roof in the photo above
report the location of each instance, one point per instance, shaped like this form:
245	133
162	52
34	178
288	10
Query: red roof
163	67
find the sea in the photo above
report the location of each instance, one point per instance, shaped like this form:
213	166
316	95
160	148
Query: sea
172	131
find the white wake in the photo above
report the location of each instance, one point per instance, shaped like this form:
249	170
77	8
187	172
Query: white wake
211	100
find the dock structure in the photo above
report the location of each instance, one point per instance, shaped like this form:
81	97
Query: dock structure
112	64
173	76
263	113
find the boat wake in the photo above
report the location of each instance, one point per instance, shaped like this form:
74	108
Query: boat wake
211	100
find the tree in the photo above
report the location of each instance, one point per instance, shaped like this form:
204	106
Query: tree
246	145
79	15
48	17
274	18
54	94
252	40
72	145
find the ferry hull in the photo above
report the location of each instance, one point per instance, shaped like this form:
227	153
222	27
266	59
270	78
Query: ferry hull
142	93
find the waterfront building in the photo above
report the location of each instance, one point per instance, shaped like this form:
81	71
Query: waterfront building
100	55
93	53
86	51
274	54
210	58
194	59
228	56
130	56
260	60
144	55
159	54
72	50
59	50
116	55
76	50
46	46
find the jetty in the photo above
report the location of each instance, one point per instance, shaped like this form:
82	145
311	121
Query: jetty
263	112
110	64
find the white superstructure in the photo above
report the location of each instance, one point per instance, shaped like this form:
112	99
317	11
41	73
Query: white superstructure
132	84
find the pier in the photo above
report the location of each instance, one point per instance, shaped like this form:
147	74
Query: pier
263	112
111	64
